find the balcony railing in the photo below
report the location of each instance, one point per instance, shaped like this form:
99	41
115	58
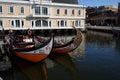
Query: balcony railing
40	1
41	15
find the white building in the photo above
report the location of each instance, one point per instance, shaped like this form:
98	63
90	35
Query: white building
40	14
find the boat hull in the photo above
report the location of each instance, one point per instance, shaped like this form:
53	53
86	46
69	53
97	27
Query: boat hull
31	57
63	49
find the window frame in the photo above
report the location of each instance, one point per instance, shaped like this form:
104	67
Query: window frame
22	10
11	9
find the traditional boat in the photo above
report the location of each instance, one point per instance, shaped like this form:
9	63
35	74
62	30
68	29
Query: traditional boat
69	46
31	51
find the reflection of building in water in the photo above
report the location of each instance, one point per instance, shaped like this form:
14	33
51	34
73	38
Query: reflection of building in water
99	38
80	51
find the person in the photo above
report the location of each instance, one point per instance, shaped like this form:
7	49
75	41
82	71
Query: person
9	39
29	33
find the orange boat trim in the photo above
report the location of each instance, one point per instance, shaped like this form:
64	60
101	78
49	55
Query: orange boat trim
31	57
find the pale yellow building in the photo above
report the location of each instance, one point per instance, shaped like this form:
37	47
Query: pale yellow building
40	14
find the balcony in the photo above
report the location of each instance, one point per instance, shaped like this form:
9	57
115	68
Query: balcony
40	12
40	15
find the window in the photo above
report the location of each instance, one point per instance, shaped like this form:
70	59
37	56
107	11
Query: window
0	9
50	23
76	23
58	11
65	12
1	24
44	10
73	12
79	12
32	23
38	23
45	23
37	10
12	23
22	10
22	23
17	23
11	9
62	23
58	23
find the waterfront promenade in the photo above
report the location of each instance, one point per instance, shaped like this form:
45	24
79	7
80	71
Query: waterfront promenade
109	29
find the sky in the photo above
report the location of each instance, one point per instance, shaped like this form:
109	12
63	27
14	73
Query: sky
99	2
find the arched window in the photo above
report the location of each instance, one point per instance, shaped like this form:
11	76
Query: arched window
58	11
65	12
32	23
12	23
62	22
1	24
45	23
76	23
38	23
58	23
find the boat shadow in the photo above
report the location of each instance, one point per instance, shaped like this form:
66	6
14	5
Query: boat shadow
66	62
24	70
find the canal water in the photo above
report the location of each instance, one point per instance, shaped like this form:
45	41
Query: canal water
97	58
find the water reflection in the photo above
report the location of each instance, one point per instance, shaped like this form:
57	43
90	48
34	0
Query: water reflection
30	71
23	70
64	62
79	52
99	38
103	39
117	43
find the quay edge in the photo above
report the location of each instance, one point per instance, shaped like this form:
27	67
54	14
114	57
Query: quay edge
115	30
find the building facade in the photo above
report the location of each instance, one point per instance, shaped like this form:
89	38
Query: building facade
102	15
40	14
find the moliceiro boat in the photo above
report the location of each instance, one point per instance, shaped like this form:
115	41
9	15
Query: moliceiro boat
31	51
69	46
